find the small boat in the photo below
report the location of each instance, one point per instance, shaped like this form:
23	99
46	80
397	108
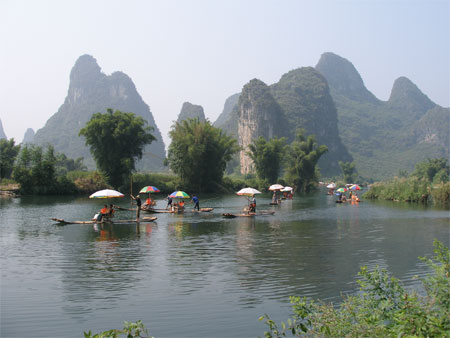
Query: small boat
275	203
107	221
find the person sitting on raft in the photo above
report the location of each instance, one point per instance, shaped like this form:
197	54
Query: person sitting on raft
103	212
181	206
111	211
252	207
148	203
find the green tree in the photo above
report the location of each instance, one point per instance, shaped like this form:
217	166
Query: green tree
349	171
116	140
267	157
429	168
35	171
8	153
301	163
198	154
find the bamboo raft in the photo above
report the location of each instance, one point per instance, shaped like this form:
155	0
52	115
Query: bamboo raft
119	221
165	211
263	213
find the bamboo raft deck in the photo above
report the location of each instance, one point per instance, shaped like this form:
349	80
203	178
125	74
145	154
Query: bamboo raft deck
263	213
119	221
165	211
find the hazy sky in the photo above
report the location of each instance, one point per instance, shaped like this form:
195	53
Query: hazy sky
205	51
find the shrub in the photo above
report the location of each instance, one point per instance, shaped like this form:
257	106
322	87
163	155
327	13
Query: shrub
383	308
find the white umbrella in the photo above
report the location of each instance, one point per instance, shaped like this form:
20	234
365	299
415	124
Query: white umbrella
248	192
287	189
106	193
275	187
331	186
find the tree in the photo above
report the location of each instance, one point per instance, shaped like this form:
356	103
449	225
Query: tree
429	168
302	157
116	140
267	157
8	153
198	153
35	171
349	171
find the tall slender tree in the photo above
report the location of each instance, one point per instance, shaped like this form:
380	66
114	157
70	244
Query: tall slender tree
267	157
198	154
302	157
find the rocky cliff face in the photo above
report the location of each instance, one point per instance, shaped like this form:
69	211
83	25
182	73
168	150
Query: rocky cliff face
91	91
2	132
28	137
227	120
258	115
191	111
433	128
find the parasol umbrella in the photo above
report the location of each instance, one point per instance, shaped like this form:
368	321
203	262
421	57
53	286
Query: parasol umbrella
248	192
179	194
287	189
331	186
341	190
106	193
149	189
275	187
355	187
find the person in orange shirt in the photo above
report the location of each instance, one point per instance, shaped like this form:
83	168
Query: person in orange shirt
181	205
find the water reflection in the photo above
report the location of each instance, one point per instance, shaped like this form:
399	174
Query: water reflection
208	272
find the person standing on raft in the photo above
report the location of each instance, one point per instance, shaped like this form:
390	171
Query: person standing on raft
138	203
196	203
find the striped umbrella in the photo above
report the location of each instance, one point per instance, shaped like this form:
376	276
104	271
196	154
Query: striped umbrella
106	193
148	189
355	187
341	190
179	194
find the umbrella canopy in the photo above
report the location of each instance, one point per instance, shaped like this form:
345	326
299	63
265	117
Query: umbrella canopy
106	193
287	189
148	189
355	187
248	192
179	194
331	186
275	187
342	190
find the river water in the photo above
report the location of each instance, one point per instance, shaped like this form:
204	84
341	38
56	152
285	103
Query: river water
197	275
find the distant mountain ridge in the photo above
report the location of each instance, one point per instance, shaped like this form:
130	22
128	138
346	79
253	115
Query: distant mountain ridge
384	136
91	91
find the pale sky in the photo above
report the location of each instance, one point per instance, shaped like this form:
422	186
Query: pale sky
204	51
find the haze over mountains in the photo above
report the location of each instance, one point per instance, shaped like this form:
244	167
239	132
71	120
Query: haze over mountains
329	101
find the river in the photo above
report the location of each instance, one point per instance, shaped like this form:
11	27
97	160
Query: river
197	275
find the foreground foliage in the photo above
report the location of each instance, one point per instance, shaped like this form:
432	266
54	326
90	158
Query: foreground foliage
116	140
130	330
383	308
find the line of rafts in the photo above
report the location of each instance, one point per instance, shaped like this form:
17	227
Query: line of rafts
148	206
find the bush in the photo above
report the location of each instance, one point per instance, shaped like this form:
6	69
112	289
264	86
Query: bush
410	189
441	193
383	308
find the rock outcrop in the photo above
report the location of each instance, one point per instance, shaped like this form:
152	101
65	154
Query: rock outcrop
227	120
191	111
305	98
259	114
28	137
2	132
91	91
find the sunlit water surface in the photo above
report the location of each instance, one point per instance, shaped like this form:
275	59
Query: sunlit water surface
197	275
